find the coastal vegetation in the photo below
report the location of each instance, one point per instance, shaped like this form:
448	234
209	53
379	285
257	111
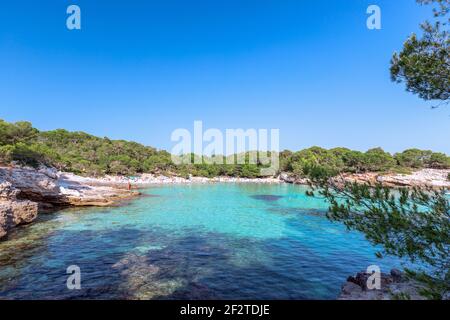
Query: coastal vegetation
408	223
423	64
86	154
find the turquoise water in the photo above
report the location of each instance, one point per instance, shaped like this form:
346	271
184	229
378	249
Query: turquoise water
217	241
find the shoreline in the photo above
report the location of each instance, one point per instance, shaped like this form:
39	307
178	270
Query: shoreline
435	178
26	192
147	180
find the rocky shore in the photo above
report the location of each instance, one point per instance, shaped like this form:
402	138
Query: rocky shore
435	178
393	286
25	192
426	177
145	180
14	212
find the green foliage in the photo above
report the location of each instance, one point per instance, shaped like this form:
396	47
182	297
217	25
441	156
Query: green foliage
415	158
424	63
317	162
86	154
378	160
408	223
11	133
438	161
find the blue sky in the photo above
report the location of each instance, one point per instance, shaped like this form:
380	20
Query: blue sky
140	69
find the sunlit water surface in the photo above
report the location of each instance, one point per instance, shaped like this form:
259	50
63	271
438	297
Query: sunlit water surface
217	241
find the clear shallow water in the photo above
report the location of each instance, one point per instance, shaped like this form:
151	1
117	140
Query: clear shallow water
218	241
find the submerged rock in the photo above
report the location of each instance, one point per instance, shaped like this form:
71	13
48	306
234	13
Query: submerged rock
266	197
141	279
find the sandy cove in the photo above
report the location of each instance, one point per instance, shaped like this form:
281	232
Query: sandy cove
145	180
25	192
426	177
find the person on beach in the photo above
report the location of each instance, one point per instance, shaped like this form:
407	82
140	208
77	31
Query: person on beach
129	185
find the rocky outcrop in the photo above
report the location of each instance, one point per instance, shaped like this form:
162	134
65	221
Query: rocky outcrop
46	186
435	178
393	286
25	191
292	179
14	212
32	184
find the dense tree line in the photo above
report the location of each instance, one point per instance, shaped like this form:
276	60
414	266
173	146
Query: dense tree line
86	154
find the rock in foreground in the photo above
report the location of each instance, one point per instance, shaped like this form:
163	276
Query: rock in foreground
393	286
14	212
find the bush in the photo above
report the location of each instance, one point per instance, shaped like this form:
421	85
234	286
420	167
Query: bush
413	158
438	161
378	160
30	155
12	133
6	154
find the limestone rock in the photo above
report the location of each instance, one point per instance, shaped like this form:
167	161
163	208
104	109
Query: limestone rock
23	190
393	286
47	186
33	185
289	178
13	213
350	288
396	275
52	173
436	178
7	191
